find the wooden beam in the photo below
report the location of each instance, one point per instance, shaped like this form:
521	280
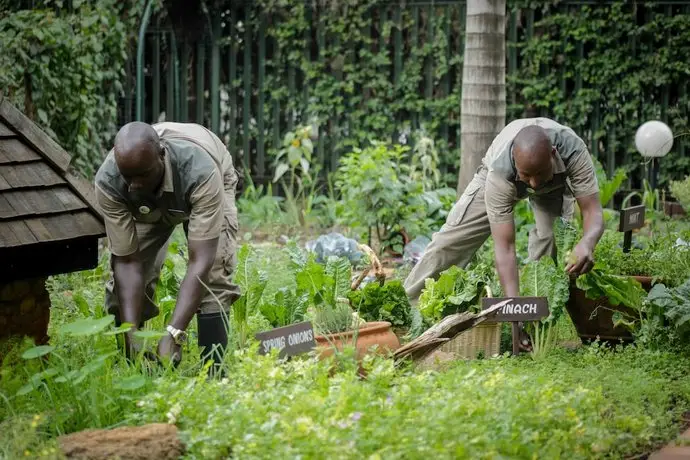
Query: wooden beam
55	258
5	131
36	137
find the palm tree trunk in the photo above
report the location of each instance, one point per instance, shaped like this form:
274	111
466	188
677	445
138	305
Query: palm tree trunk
483	109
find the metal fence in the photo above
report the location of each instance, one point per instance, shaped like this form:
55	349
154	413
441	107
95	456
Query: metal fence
220	80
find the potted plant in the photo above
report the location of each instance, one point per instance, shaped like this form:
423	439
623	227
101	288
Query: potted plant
338	325
600	301
681	192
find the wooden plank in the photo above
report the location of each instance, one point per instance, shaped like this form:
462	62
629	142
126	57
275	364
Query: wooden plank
38	139
5	131
39	229
84	190
32	174
67	198
22	233
7	236
72	225
13	150
27	203
6	209
65	226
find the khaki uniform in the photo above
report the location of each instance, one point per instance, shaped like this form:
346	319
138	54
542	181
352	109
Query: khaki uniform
492	194
198	191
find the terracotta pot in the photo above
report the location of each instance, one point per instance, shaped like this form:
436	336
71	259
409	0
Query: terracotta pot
580	308
369	334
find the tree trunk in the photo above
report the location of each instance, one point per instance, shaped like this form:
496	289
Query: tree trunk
483	109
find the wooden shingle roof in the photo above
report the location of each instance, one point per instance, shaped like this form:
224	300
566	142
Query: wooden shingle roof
41	198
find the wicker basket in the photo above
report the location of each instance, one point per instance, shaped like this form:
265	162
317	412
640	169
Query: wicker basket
485	338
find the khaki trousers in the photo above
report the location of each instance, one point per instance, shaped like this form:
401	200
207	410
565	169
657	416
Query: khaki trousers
153	249
467	228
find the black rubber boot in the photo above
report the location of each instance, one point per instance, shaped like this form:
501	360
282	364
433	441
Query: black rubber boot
212	334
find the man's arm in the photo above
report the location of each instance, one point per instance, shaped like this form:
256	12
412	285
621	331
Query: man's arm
582	258
205	225
499	197
201	257
506	262
583	182
128	272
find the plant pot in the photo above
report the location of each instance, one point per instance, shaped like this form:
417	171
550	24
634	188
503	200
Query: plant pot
369	334
673	209
593	318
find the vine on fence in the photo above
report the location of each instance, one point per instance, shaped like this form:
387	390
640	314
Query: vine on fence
633	56
601	69
64	69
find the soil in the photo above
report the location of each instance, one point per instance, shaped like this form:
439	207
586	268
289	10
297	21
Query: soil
158	441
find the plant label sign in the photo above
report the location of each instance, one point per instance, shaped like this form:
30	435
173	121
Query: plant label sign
631	218
520	309
291	340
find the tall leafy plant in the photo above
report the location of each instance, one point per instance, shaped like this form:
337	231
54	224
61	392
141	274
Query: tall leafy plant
294	159
379	194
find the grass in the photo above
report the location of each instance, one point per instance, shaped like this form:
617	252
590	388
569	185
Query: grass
593	402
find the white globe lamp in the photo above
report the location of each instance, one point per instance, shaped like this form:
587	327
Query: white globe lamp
654	139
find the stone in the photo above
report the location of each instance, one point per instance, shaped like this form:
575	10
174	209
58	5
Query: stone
156	441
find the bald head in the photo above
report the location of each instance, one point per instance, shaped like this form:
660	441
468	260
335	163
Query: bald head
533	152
138	155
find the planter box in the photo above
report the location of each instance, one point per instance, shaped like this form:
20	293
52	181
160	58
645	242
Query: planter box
594	318
673	209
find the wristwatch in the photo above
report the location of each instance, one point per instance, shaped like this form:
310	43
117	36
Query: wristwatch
178	335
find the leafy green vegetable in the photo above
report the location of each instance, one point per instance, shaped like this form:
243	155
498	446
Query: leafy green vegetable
383	303
542	278
620	290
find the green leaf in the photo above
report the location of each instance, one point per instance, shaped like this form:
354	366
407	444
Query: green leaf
87	326
38	351
150	334
294	155
133	382
307	147
124	327
305	164
289	137
281	169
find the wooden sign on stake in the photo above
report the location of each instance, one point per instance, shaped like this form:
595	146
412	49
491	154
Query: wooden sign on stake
631	218
519	309
291	340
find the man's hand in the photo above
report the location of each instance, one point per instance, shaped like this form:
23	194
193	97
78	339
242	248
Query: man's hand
169	350
581	259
